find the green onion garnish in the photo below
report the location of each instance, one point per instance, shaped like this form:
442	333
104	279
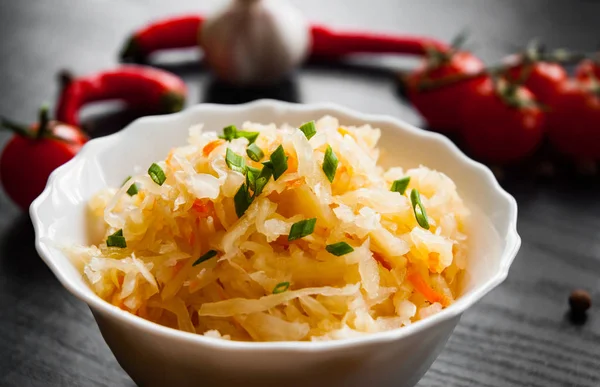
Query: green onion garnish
116	240
251	176
133	189
157	174
254	152
400	185
278	162
208	255
330	163
308	129
421	215
242	200
235	162
251	136
339	249
302	228
229	133
281	287
262	179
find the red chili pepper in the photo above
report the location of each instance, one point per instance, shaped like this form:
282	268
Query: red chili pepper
175	32
330	43
139	86
182	32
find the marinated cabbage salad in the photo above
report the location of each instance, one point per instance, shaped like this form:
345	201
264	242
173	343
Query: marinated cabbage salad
267	233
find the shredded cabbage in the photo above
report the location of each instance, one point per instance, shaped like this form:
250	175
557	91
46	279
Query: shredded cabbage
397	273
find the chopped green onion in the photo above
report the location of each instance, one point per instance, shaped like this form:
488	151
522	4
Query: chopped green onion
254	152
279	162
281	287
242	200
133	189
251	176
235	162
262	180
229	133
157	174
330	163
308	129
208	255
339	249
302	228
116	240
400	185
421	215
251	136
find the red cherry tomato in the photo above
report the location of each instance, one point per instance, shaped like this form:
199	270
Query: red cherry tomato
541	78
586	69
27	160
439	105
500	127
574	120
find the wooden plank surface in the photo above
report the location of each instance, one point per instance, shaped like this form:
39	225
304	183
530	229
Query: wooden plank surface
518	335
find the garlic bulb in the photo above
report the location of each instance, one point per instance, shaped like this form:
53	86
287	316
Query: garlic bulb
254	42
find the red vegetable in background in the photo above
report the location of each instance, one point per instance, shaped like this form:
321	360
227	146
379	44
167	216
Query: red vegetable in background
439	104
574	120
540	77
139	86
586	69
33	153
330	43
501	122
175	32
182	32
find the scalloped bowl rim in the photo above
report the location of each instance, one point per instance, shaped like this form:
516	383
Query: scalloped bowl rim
513	240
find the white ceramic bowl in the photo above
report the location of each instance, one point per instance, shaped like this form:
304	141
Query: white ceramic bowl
154	355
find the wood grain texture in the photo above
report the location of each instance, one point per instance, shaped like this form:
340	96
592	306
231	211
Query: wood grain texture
518	335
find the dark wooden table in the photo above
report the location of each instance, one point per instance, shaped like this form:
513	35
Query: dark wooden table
519	335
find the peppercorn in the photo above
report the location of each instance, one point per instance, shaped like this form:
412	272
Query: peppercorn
579	301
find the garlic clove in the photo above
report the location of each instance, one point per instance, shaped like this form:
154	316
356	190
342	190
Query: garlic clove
254	42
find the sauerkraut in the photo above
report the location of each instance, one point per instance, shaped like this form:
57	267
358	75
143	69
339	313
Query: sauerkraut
209	242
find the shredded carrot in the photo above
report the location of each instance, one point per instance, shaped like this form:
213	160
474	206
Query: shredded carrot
169	158
282	241
292	163
382	261
177	268
294	183
118	302
433	260
423	287
142	312
203	207
208	148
